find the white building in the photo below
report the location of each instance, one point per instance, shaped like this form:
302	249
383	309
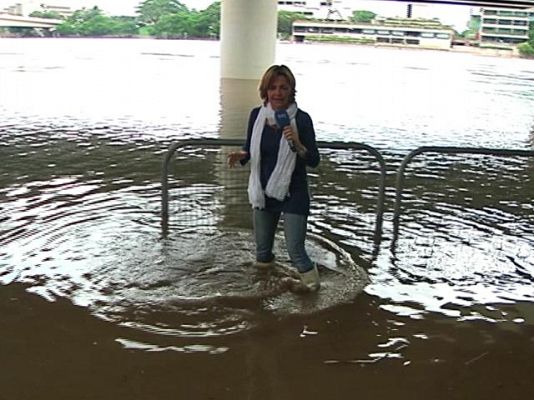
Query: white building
504	25
26	7
423	35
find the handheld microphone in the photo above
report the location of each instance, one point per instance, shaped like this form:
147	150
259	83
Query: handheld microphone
282	120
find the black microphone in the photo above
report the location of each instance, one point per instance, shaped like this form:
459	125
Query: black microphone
282	120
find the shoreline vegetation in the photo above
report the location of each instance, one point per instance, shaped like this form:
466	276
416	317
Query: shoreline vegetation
170	19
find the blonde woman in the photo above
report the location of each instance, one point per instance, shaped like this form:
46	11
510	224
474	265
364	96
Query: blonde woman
279	153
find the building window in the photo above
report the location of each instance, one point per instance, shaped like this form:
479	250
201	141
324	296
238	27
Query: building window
505	22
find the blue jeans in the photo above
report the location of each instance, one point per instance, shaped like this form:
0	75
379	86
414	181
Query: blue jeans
295	225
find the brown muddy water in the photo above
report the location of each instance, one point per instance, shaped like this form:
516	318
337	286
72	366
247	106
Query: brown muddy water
97	303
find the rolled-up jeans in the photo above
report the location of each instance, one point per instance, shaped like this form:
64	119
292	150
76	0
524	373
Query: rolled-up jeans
295	226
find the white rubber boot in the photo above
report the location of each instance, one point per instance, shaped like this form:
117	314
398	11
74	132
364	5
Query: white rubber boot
311	279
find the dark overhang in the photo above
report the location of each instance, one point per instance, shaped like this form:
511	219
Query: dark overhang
478	3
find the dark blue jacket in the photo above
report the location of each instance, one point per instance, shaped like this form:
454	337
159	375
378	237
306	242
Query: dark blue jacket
298	198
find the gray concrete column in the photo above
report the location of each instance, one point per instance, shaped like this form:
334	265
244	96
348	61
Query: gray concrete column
238	97
248	37
248	43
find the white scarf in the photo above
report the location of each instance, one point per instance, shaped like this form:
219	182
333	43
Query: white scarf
278	183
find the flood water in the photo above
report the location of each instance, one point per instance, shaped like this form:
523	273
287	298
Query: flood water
97	303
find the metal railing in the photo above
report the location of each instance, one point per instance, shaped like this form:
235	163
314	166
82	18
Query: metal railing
238	142
441	150
343	146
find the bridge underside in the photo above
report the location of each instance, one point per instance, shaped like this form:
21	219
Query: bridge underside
15	21
24	25
476	3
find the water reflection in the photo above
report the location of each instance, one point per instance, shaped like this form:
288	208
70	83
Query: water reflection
461	242
80	192
238	97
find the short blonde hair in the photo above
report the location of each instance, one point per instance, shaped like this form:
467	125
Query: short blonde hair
271	73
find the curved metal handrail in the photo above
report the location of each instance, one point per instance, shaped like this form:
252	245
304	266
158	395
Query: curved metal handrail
165	170
446	150
238	142
381	183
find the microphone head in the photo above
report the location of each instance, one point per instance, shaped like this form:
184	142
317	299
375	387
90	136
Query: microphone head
282	118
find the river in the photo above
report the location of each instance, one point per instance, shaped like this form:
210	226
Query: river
85	125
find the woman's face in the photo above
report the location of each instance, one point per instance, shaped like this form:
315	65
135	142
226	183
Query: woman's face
278	92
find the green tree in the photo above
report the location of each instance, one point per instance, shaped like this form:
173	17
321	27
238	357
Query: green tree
151	11
93	22
173	26
209	21
125	26
473	27
527	49
285	22
21	31
47	14
362	16
99	25
189	24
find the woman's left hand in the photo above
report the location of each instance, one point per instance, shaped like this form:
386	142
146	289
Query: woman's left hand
290	135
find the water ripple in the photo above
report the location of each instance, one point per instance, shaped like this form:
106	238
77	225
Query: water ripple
80	191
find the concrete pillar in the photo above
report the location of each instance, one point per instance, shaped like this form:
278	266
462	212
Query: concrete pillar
238	97
248	37
248	43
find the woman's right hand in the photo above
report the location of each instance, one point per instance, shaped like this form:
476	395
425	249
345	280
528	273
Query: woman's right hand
235	157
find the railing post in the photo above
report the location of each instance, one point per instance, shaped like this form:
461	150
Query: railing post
381	183
321	144
165	171
445	150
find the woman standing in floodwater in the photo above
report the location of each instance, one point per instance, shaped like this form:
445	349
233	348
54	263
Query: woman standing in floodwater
280	146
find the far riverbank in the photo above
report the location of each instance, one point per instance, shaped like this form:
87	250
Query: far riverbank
490	52
484	51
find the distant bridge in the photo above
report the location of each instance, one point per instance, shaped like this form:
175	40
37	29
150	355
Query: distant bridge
15	21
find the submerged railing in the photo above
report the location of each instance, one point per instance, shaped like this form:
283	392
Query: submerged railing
234	142
343	146
441	150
